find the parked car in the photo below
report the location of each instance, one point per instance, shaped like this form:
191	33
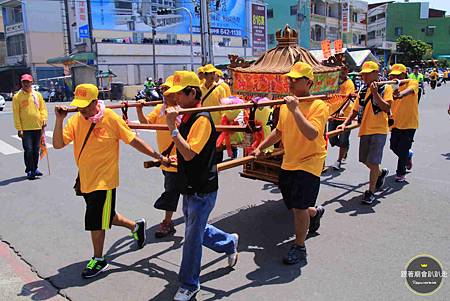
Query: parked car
2	103
7	96
45	92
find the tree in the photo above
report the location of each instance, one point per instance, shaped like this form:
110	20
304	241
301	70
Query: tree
412	50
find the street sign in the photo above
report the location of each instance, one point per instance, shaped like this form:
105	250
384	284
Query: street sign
83	31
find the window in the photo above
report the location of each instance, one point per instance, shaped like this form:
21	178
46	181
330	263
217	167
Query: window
226	42
270	13
371	35
355	17
271	38
372	19
398	31
293	10
13	15
381	16
429	31
15	45
123	5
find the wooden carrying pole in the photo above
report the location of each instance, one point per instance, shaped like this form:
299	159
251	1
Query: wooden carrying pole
247	159
124	105
164	127
393	82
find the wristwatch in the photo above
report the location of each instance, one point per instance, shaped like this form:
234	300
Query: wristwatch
175	133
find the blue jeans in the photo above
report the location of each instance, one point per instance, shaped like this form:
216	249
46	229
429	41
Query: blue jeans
30	142
196	210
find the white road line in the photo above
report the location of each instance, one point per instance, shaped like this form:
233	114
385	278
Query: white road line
7	149
49	145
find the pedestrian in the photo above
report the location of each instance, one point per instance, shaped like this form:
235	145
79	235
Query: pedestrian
218	78
197	181
201	74
405	111
372	108
416	75
434	76
341	110
300	126
95	132
168	201
30	119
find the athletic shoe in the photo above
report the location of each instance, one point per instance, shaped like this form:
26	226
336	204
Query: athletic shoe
382	178
336	165
94	267
233	258
31	175
295	255
38	173
165	229
139	233
184	294
400	178
368	197
314	223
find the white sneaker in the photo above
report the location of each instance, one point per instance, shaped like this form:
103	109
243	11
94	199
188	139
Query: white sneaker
184	294
336	165
233	258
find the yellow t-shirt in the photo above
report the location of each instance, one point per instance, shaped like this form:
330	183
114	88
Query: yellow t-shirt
299	152
374	124
199	134
405	111
99	162
347	88
26	115
226	88
434	75
446	74
213	99
163	138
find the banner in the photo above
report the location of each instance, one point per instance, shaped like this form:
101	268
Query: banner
81	16
227	16
338	44
259	36
326	48
345	15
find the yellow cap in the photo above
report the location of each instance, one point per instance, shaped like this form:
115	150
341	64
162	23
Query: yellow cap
398	69
219	73
183	79
169	82
210	69
200	69
301	69
369	67
84	95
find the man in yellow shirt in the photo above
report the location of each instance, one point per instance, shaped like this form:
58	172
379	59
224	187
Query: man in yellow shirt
197	180
434	76
95	132
220	81
168	201
405	111
201	74
300	128
445	76
342	109
30	118
372	107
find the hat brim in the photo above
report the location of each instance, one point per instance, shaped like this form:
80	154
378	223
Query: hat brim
80	103
174	89
397	72
294	74
366	71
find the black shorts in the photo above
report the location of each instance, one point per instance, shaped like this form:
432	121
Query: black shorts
168	200
341	140
298	188
100	209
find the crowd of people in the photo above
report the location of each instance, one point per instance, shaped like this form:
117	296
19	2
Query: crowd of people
191	140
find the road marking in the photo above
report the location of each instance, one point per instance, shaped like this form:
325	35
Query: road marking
7	149
49	145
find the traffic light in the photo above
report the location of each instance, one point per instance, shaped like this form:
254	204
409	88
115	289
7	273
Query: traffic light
165	11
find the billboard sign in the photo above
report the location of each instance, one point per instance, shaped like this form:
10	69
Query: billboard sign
259	36
227	16
346	16
81	15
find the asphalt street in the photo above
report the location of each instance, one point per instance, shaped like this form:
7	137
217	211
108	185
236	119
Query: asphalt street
358	254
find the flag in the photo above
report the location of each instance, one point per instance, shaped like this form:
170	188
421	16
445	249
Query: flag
42	147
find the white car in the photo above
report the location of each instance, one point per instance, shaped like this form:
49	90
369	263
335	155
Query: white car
2	103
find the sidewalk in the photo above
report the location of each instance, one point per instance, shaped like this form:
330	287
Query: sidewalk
16	277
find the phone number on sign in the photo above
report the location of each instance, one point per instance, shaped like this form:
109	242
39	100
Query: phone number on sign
226	32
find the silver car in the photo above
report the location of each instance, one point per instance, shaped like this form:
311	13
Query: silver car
2	103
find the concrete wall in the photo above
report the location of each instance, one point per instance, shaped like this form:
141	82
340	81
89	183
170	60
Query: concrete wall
45	45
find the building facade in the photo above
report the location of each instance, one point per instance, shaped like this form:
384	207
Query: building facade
32	34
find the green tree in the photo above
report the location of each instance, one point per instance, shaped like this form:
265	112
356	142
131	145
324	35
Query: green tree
412	50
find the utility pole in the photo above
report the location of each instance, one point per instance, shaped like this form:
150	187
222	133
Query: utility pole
205	31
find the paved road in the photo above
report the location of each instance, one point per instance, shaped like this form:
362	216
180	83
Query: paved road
358	255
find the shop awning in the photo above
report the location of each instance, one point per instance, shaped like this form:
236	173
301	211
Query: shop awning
73	58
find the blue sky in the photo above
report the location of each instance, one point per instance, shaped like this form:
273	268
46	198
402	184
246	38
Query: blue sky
437	4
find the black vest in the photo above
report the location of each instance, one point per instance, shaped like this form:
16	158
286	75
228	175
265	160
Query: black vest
198	175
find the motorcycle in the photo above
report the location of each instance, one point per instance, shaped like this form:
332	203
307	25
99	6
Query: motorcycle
149	94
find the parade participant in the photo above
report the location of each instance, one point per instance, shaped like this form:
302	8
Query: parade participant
434	76
197	181
218	78
30	118
95	132
168	201
405	111
372	108
201	74
445	76
300	127
416	75
341	109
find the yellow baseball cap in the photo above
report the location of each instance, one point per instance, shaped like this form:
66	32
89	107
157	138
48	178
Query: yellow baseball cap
200	69
84	95
210	69
398	69
219	73
369	67
169	82
301	69
183	79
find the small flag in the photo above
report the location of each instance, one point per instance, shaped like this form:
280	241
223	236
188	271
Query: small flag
42	148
